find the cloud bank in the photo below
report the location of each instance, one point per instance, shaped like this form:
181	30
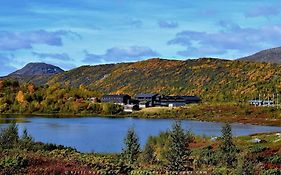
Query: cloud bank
12	41
232	38
117	54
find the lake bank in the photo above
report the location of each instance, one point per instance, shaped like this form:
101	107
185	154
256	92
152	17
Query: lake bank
217	112
212	112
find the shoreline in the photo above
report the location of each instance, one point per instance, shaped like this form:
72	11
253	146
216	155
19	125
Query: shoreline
135	116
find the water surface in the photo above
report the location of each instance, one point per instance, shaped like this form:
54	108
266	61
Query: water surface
106	135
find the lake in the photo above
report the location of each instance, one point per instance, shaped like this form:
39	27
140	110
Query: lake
106	135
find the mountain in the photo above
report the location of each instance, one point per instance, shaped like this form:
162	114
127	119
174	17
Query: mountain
37	73
270	55
33	69
211	79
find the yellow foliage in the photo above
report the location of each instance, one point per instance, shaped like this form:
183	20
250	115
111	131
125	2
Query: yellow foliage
31	88
1	85
20	97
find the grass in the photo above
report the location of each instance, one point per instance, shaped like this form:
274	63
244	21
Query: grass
220	112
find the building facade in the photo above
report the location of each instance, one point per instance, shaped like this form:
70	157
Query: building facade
121	99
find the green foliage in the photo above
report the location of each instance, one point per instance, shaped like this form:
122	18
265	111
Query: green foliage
208	156
14	162
272	172
131	151
245	166
51	146
178	152
110	108
276	159
257	148
148	154
9	136
26	140
228	148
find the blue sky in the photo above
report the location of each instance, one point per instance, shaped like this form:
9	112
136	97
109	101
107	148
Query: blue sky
71	33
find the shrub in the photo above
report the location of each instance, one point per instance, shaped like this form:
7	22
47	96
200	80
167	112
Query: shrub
272	172
257	148
245	166
276	159
51	147
110	108
9	136
26	141
14	162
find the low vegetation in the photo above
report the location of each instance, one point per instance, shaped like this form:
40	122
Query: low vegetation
221	112
173	151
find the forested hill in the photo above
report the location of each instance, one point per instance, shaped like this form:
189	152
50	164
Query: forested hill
211	79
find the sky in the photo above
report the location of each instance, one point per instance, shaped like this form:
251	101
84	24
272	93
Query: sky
71	33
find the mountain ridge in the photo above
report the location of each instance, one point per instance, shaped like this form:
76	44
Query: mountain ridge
37	68
272	55
37	73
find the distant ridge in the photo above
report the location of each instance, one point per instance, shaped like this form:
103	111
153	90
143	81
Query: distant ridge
37	73
270	55
33	69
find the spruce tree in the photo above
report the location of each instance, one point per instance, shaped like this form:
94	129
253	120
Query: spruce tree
148	153
9	136
228	148
178	151
207	156
132	147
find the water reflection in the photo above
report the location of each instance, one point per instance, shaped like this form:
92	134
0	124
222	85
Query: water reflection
7	119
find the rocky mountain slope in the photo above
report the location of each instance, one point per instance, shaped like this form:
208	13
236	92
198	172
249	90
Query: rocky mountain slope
270	55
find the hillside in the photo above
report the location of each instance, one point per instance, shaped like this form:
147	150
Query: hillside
270	55
211	79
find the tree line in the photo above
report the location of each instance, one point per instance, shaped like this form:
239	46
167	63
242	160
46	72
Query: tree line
51	99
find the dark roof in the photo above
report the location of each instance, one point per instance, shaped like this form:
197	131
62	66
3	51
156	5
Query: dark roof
172	98
116	96
146	95
192	98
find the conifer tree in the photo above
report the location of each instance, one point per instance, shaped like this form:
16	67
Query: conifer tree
132	147
148	153
178	151
228	148
9	136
